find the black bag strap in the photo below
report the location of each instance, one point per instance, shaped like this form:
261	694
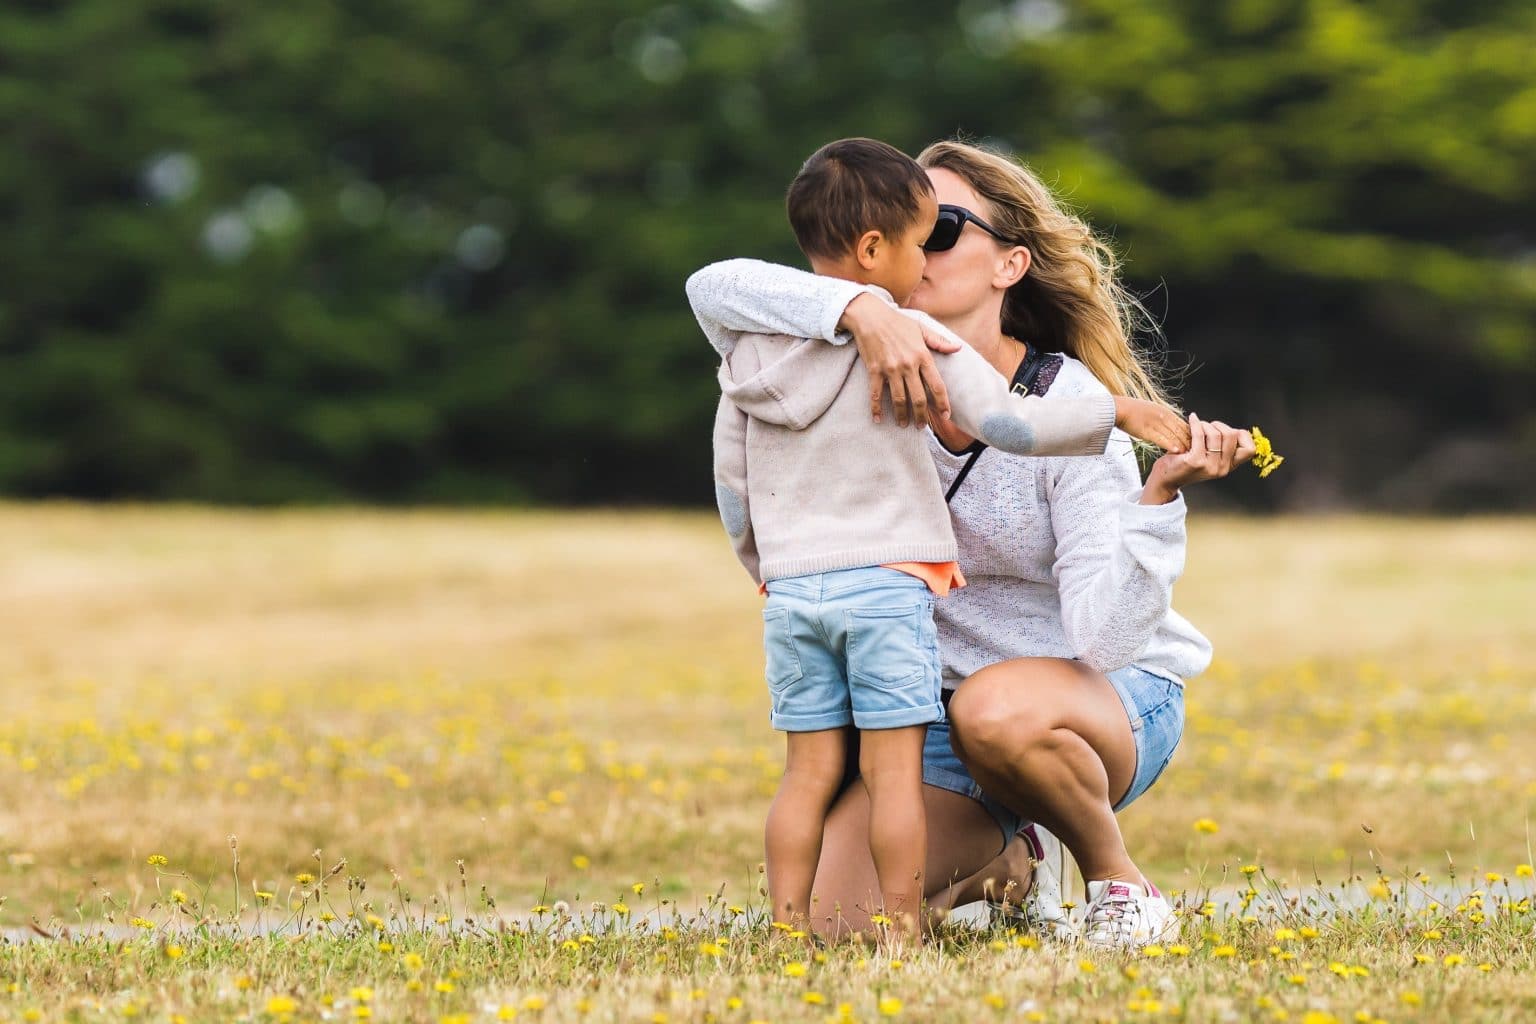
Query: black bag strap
1023	380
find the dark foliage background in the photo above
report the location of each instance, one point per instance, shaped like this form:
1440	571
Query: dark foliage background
404	251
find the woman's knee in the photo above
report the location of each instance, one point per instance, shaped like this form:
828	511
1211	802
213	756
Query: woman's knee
993	720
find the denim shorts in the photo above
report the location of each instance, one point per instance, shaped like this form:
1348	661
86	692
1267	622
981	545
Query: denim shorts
1155	706
857	646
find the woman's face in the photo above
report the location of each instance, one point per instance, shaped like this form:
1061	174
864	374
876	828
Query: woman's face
960	281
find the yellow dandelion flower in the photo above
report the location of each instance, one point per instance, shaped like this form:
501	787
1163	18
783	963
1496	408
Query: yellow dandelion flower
1178	950
174	952
444	985
1153	951
304	878
1411	999
535	1003
141	922
1087	966
995	1000
1250	869
1224	952
362	994
1380	890
1308	932
178	897
733	1003
386	947
1264	458
711	949
1493	877
889	1006
412	961
638	888
262	896
362	1012
581	862
1454	960
621	909
1524	871
281	1004
1205	826
814	998
1284	934
242	982
157	860
795	969
505	1012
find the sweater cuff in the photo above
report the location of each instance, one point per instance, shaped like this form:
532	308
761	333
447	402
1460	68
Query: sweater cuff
1098	442
1153	518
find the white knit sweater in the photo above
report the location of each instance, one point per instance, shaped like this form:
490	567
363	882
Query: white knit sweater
1059	558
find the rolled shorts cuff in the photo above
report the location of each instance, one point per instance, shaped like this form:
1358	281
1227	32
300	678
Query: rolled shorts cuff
811	723
899	718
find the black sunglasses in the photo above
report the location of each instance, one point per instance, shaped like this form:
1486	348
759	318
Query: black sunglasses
946	230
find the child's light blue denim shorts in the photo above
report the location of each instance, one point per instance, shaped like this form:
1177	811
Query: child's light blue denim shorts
1155	706
857	646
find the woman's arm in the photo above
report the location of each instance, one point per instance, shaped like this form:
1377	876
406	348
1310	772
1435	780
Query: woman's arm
1120	546
1116	560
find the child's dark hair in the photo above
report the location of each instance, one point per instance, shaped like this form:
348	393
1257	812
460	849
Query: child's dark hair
849	187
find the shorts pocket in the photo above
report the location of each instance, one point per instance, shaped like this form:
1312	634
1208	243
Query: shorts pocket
887	646
782	667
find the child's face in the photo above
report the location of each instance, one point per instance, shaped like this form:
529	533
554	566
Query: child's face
901	261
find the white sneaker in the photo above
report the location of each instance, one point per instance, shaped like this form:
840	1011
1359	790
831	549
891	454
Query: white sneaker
1123	914
1040	910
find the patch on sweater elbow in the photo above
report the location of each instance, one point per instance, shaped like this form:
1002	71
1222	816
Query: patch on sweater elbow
733	513
1009	433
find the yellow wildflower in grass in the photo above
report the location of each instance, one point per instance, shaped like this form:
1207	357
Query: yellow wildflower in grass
242	983
1454	960
1205	826
814	998
1087	966
304	878
174	952
795	969
157	860
535	1003
638	888
281	1004
733	1003
444	985
412	961
711	949
1178	950
1152	951
178	897
1224	952
621	909
362	1012
1493	876
889	1006
1380	890
581	862
1524	871
995	1000
505	1012
262	896
1411	999
1250	869
141	922
362	994
1264	458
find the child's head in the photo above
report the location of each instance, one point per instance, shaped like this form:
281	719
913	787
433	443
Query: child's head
861	209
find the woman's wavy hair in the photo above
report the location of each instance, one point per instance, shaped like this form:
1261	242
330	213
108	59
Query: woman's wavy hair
1071	300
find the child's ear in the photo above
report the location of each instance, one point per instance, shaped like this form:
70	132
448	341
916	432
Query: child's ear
868	249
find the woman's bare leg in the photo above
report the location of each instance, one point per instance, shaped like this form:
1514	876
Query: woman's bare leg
813	772
1050	739
962	839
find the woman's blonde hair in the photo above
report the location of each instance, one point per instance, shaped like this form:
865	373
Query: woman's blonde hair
1070	300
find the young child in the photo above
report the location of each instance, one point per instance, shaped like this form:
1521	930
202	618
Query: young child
844	522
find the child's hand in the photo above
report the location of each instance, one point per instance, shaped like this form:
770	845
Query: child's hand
1152	423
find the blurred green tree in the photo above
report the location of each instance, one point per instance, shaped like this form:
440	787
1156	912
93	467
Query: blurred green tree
435	252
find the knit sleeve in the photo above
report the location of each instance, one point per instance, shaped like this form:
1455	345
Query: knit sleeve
736	297
731	483
982	404
1116	561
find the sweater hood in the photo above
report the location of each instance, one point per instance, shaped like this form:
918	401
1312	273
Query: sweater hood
789	382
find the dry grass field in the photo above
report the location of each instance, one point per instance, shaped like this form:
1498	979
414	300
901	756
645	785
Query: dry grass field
488	713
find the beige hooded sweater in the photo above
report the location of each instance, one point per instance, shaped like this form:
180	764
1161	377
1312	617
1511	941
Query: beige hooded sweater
807	482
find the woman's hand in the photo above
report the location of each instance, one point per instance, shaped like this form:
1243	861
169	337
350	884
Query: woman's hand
894	348
1215	450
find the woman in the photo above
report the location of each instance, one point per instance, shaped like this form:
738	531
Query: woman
1063	660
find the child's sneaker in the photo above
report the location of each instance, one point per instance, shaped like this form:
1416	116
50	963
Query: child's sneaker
1123	914
1040	910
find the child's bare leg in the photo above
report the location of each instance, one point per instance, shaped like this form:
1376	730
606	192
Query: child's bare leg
813	776
891	763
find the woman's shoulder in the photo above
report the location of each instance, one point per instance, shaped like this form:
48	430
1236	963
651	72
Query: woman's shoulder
1072	379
